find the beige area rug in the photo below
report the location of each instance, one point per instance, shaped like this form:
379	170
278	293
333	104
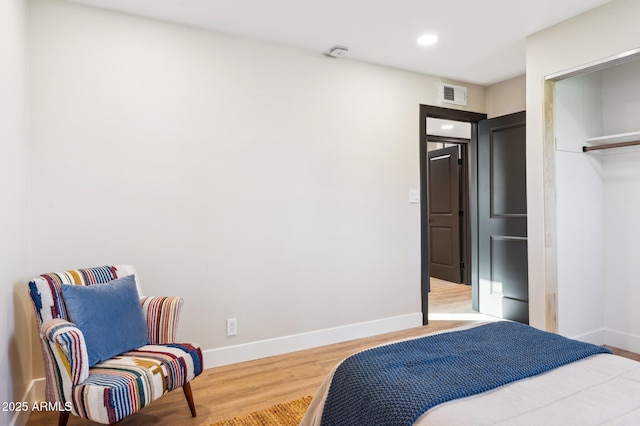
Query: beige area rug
287	414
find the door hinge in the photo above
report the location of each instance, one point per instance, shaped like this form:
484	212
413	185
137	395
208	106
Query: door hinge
461	213
461	265
459	160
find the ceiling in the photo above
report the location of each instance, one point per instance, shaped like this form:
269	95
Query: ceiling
480	42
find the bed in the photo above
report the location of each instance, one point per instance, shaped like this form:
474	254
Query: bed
499	373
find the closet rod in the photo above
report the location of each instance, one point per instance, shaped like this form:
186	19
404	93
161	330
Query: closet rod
611	145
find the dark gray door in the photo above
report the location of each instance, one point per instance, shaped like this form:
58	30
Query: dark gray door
502	218
444	219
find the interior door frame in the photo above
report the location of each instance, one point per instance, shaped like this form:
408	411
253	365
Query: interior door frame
472	199
463	187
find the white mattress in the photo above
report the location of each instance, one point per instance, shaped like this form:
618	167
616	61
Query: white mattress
601	389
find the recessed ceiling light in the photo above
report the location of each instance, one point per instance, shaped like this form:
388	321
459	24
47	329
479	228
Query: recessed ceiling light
446	126
427	39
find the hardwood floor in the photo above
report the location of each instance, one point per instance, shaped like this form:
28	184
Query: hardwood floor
446	297
228	391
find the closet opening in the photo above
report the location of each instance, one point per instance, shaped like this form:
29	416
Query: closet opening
592	176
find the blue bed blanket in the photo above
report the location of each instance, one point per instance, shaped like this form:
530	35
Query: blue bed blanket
397	383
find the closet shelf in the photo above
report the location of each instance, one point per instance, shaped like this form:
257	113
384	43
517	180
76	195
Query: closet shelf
612	141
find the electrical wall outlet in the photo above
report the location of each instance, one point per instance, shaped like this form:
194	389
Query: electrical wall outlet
232	326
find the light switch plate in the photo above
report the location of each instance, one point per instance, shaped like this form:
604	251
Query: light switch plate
414	196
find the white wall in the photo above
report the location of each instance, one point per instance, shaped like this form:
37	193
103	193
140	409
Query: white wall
621	98
621	175
258	182
597	34
15	329
622	250
580	209
507	97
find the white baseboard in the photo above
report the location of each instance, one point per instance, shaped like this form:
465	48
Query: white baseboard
297	342
622	340
607	336
39	388
595	337
35	392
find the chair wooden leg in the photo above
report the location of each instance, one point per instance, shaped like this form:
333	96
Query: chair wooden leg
64	418
187	393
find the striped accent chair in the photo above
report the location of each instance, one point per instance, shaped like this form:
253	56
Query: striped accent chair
112	389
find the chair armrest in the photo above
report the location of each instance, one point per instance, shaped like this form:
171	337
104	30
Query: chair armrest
68	347
161	314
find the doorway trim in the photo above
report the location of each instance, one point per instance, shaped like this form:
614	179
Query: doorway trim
472	196
463	188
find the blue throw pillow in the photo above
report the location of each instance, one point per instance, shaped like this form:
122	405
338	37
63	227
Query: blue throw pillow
109	315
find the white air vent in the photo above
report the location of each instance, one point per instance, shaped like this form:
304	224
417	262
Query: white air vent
452	94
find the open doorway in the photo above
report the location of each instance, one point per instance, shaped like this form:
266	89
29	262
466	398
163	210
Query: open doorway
448	208
496	215
448	172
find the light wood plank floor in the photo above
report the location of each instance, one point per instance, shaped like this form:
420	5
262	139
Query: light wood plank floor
224	392
446	297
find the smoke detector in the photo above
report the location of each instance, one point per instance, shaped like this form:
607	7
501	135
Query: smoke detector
338	51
